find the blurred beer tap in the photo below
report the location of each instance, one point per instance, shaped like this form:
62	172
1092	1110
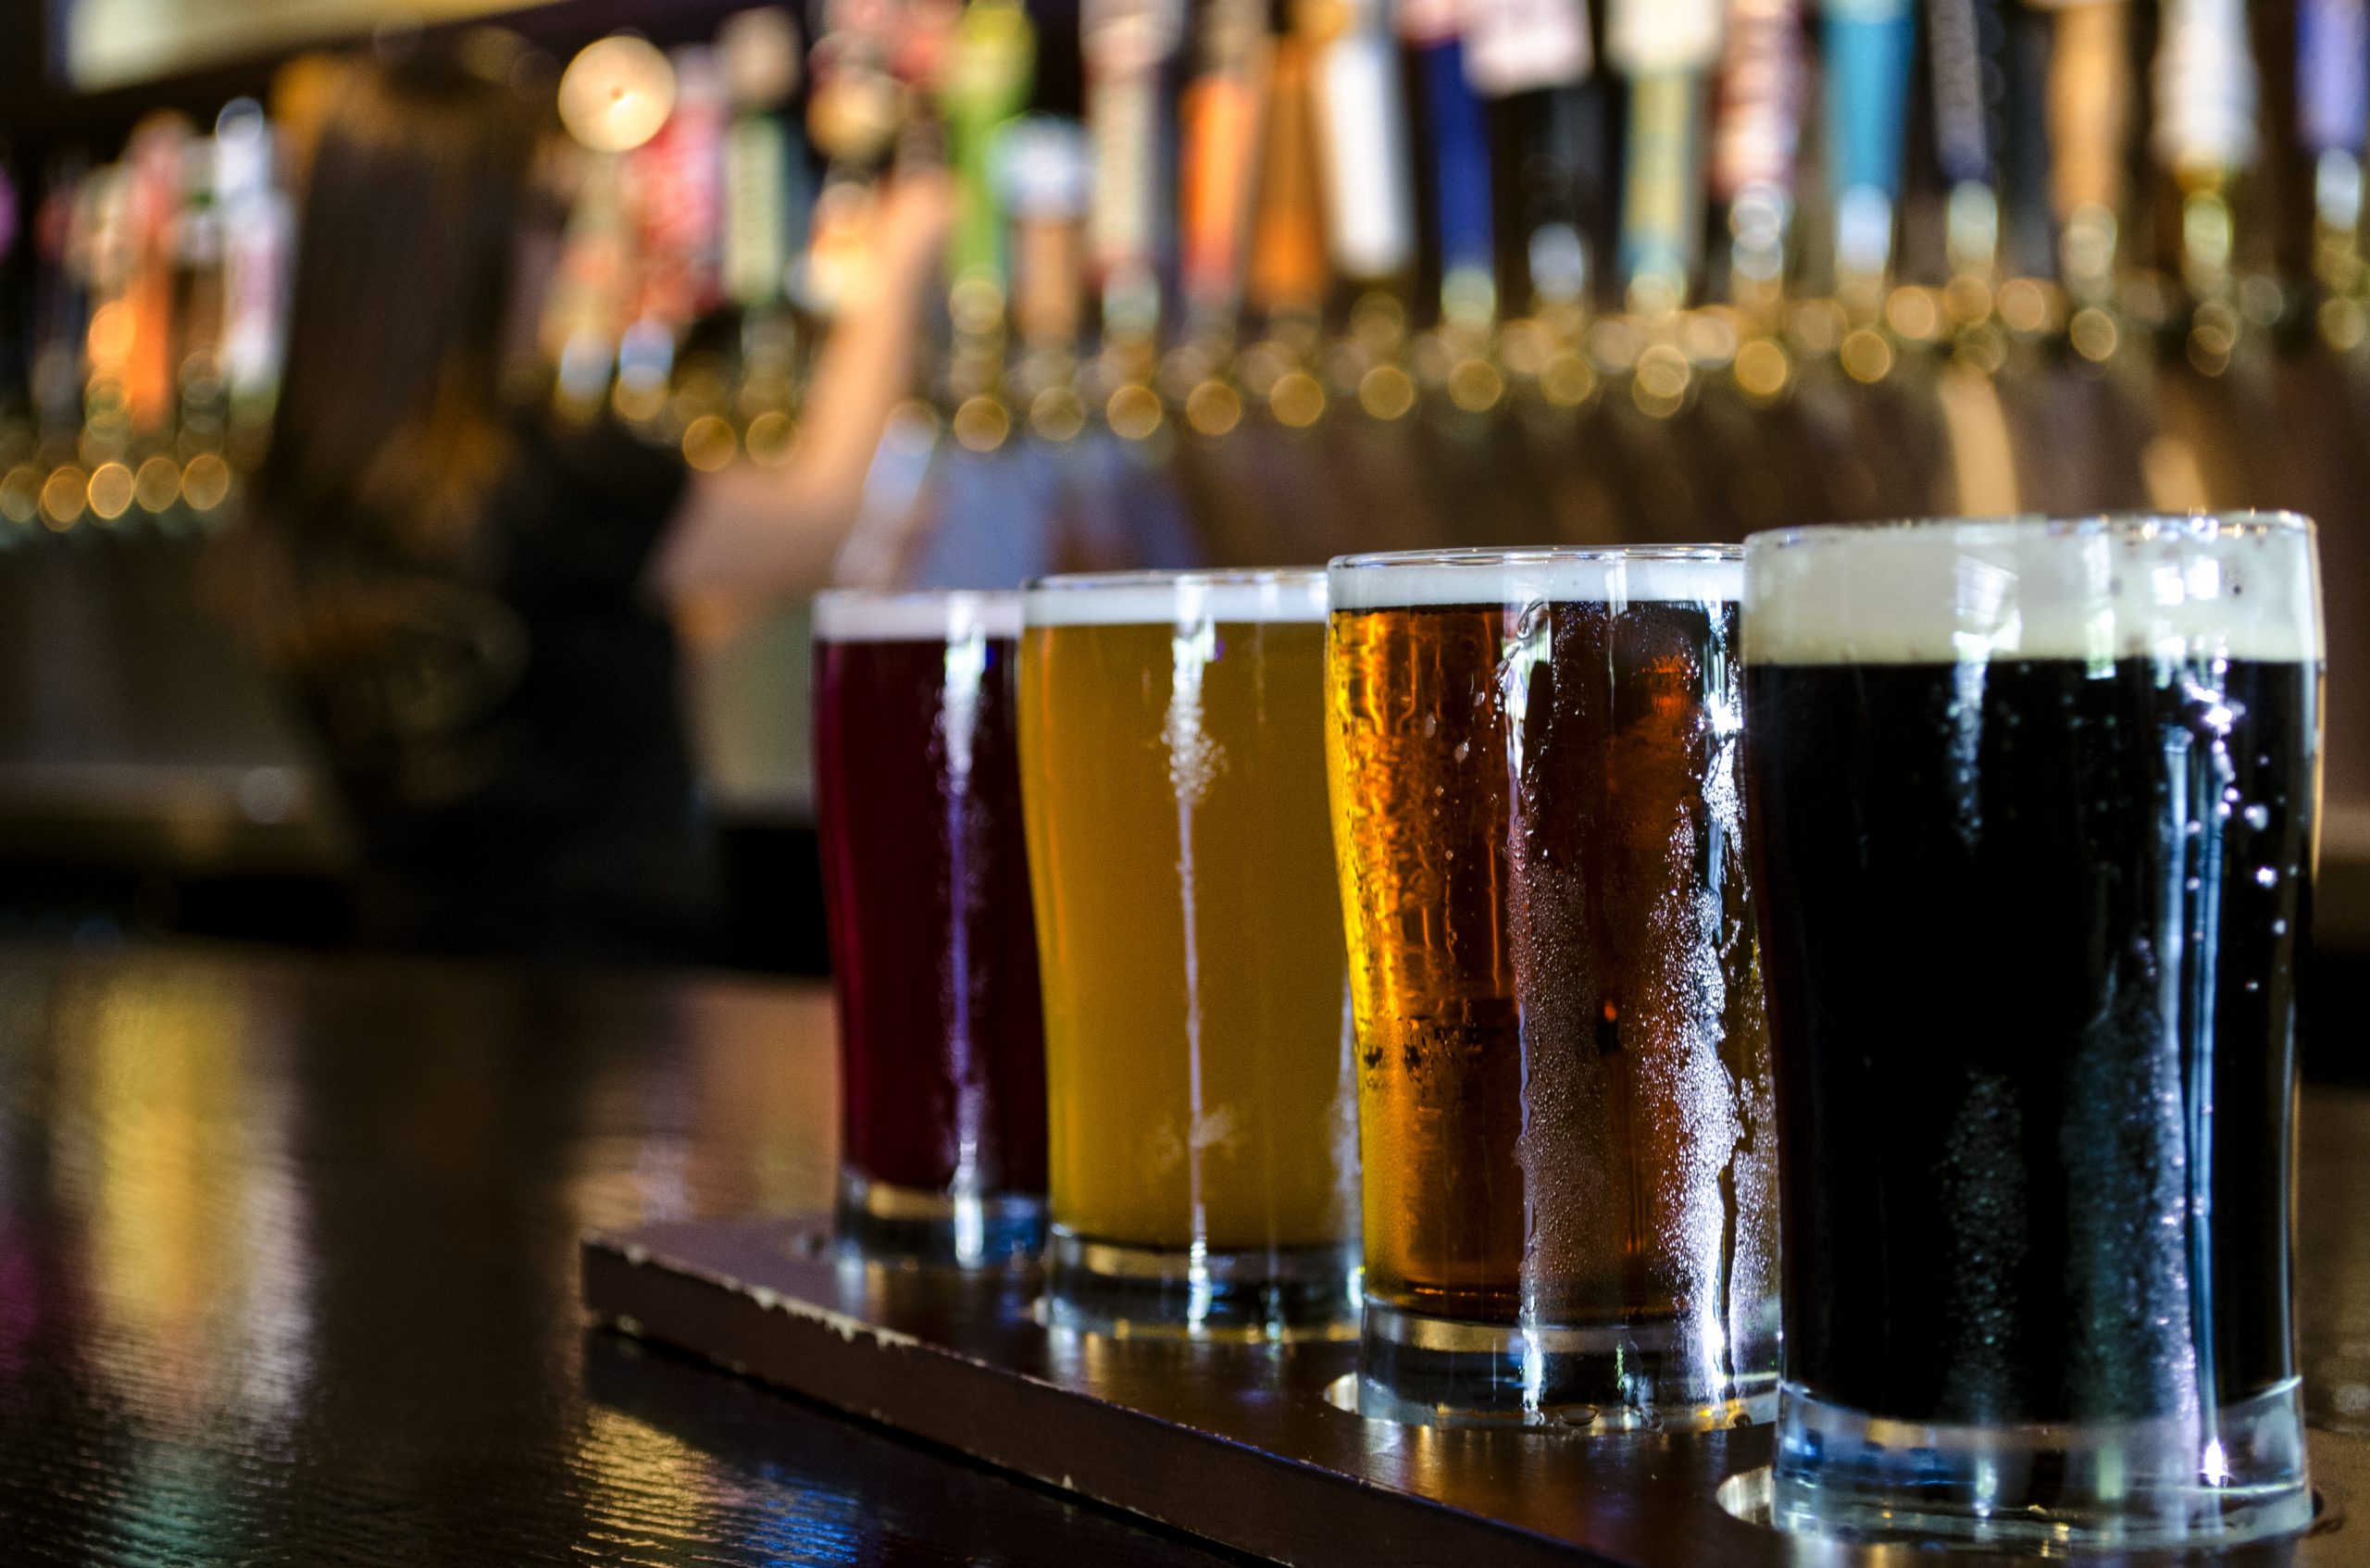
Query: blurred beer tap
984	83
1867	45
1966	40
2205	140
2332	113
1224	125
1665	49
2204	137
1127	45
2079	364
1044	169
2090	116
765	210
1363	145
1757	133
1531	59
1455	175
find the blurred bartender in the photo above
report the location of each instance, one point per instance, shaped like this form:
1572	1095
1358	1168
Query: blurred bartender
472	600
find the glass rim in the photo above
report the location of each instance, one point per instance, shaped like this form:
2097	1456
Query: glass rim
1256	596
1202	577
2142	524
913	595
1484	556
913	614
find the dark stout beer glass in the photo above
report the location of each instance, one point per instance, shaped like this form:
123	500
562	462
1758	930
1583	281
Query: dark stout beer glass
2032	807
1563	1076
933	949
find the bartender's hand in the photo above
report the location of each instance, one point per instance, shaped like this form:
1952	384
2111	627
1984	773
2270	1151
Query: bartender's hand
910	220
746	536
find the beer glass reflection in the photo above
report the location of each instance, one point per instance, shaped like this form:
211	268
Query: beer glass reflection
1202	1131
2032	816
933	952
1564	1083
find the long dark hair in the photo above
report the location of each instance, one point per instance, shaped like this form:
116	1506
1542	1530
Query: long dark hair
388	433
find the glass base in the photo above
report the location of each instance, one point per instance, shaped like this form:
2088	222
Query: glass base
880	1219
1616	1377
2236	1475
1270	1293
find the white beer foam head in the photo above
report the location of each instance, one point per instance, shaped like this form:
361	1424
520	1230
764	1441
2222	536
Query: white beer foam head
1682	574
860	615
1176	598
2242	586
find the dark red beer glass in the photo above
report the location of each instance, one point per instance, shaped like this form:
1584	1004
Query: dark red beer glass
933	946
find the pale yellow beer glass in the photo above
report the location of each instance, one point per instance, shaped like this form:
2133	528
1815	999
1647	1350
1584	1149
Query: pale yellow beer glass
1203	1138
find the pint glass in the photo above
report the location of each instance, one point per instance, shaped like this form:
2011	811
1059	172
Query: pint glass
2032	816
1562	1072
933	953
1202	1122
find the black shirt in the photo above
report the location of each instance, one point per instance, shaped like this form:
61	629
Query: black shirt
510	740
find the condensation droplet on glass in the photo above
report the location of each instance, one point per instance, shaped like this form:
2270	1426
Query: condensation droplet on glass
2253	985
1431	725
2265	877
2257	817
1464	750
2190	886
2279	928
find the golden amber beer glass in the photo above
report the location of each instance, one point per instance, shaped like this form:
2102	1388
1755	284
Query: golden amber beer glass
1202	1142
1563	1074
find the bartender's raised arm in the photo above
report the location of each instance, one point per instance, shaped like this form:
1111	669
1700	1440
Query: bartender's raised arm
746	534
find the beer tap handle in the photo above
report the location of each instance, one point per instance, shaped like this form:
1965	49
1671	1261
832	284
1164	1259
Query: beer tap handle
1755	136
1287	270
1044	167
2332	113
1459	169
986	84
1665	48
2089	116
1220	125
1362	142
1868	47
2204	90
764	174
1531	58
1127	44
1964	42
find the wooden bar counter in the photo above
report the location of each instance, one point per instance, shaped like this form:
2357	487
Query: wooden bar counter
288	1275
